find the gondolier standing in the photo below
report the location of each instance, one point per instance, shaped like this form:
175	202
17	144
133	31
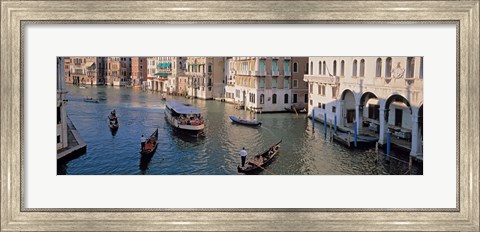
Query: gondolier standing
143	140
243	155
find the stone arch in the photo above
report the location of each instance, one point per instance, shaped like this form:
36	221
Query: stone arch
348	106
398	119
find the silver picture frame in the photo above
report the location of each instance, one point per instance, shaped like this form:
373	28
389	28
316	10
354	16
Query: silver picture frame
16	14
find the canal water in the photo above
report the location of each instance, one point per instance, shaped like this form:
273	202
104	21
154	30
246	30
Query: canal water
304	151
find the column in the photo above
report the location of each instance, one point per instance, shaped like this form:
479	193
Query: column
340	118
358	118
383	126
416	143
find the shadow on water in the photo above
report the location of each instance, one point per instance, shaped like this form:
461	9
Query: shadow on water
144	161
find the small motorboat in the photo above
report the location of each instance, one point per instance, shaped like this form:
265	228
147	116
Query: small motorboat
296	110
89	99
258	163
246	122
151	144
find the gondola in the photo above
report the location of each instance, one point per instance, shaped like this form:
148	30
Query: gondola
151	144
260	161
246	122
113	120
298	110
89	99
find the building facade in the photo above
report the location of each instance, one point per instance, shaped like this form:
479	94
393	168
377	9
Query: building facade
119	71
139	70
62	140
298	84
205	77
379	93
262	84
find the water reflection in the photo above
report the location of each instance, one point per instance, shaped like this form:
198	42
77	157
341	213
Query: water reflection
303	150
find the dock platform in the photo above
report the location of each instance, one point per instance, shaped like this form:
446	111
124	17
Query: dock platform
76	145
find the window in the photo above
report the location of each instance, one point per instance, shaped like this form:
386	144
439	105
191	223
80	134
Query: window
286	83
209	68
319	105
262	99
261	83
59	115
295	67
410	67
286	67
311	102
311	88
306	69
285	99
354	67
334	67
362	68
274	99
334	92
342	68
58	138
421	68
274	66
323	106
334	109
305	98
311	68
294	98
378	70
295	84
319	67
324	67
274	82
388	67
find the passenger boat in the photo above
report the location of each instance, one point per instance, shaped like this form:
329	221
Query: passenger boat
89	99
184	116
260	161
151	144
246	122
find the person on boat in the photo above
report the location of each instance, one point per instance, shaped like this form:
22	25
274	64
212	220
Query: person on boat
143	140
243	156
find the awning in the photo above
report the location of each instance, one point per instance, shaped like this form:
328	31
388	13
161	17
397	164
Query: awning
164	65
372	101
162	74
89	64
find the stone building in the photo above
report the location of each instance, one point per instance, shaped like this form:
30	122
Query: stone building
205	77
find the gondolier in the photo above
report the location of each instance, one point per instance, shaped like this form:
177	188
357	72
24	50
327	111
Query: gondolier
143	140
243	156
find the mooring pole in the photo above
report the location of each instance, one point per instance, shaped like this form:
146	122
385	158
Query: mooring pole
388	145
335	124
355	133
325	123
313	119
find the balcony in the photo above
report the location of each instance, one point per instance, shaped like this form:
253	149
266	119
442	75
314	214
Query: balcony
322	79
275	73
287	73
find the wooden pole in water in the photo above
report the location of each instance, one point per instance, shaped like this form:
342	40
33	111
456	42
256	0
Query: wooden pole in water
410	165
325	124
335	123
388	145
355	133
313	119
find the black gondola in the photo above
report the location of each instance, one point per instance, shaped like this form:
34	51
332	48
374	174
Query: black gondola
151	144
245	122
113	121
260	161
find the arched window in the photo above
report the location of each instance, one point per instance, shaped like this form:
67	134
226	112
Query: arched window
354	67
324	67
285	99
334	67
421	68
311	68
274	99
295	67
388	67
378	70
262	98
342	68
362	68
319	67
410	67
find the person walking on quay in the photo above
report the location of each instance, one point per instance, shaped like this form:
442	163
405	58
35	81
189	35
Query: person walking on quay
143	140
243	155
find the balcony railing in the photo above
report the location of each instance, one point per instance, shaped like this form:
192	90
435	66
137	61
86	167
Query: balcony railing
275	73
